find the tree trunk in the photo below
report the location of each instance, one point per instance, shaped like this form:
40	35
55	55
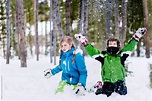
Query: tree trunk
21	31
146	23
81	16
54	32
13	38
68	8
138	49
124	21
3	46
98	4
36	30
81	21
46	39
108	18
116	12
8	31
58	20
30	41
85	22
51	31
85	26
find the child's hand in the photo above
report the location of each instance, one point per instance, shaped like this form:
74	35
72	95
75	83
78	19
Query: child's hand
81	38
80	90
139	33
47	73
95	86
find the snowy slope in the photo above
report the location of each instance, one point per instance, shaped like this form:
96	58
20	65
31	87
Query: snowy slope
28	84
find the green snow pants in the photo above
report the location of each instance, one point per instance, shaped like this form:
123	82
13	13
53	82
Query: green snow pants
62	85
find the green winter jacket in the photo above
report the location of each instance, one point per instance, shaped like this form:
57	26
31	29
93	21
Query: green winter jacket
112	65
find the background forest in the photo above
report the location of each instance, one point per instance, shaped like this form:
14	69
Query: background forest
29	28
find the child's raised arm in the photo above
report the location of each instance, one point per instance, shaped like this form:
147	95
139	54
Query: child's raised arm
129	47
89	48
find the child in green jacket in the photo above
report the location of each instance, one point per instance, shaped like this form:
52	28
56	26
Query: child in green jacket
112	60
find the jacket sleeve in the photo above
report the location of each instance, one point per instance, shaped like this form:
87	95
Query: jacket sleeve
80	63
56	70
94	53
129	47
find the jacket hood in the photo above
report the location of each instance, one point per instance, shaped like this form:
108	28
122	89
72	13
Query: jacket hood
78	51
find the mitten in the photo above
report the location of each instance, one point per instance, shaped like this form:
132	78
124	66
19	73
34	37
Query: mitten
139	33
98	84
80	90
81	38
47	73
95	86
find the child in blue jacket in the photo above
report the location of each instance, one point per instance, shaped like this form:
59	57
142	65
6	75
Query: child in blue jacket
72	65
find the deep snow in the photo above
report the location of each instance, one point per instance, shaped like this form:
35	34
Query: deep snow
28	84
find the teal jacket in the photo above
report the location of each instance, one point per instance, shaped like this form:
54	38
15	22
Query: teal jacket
112	65
73	68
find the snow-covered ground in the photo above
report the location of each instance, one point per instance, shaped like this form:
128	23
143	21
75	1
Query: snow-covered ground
28	84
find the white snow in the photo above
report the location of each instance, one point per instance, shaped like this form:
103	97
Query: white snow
28	84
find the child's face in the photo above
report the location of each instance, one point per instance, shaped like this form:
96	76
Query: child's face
112	44
65	46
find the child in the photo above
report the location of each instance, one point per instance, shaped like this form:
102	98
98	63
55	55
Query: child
72	65
112	60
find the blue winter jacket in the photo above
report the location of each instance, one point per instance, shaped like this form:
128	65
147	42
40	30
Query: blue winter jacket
72	72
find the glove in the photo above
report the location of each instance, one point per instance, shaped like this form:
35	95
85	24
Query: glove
95	86
139	33
81	38
98	84
47	73
80	90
